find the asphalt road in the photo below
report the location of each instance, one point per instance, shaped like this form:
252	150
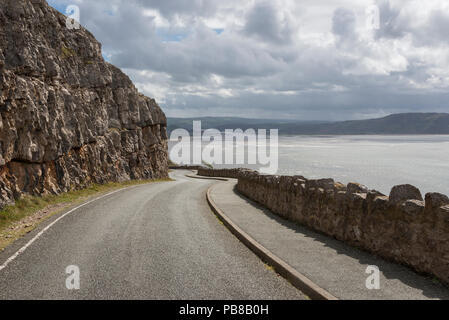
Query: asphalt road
156	241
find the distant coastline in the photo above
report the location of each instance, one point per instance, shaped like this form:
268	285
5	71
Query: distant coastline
396	124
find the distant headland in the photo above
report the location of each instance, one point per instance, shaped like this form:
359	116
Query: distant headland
402	123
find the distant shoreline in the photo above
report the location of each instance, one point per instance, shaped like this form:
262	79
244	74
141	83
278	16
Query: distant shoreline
396	124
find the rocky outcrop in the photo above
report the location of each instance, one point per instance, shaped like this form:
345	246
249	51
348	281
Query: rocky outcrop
67	117
401	227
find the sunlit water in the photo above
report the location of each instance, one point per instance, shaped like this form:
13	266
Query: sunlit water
379	162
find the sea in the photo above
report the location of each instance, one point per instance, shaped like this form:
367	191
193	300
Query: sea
377	161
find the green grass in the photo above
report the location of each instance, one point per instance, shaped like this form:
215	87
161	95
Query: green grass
269	268
29	205
208	165
171	163
67	52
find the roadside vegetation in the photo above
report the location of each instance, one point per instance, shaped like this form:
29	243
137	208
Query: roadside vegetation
208	165
171	163
27	213
203	163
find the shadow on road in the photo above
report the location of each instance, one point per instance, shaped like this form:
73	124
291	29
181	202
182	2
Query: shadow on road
430	288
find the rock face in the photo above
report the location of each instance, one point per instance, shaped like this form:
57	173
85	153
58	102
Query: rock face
67	117
402	227
403	193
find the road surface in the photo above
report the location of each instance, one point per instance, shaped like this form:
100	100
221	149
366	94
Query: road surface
155	241
333	265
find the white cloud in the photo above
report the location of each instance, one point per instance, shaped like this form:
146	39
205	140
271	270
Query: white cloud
282	58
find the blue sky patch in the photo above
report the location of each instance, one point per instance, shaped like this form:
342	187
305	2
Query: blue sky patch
57	5
170	37
106	56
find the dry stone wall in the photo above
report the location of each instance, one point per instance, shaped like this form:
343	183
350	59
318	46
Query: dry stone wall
403	227
223	173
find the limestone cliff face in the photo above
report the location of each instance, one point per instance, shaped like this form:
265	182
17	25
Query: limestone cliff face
67	117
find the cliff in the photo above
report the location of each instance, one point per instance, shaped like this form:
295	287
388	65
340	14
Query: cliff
67	117
404	227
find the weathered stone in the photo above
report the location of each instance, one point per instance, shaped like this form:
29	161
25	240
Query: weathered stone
436	200
372	194
311	184
299	181
404	192
341	195
326	184
380	202
356	200
356	188
443	213
338	186
358	196
68	118
413	207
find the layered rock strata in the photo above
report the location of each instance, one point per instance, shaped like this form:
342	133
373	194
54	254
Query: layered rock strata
67	117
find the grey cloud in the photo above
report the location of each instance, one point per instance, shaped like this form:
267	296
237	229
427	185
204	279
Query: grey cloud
436	31
131	38
309	106
195	58
395	24
343	23
169	8
264	69
264	23
391	24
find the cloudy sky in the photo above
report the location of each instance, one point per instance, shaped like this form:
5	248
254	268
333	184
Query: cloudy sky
309	59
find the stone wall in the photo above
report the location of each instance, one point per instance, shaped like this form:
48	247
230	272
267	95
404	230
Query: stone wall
223	173
67	117
402	227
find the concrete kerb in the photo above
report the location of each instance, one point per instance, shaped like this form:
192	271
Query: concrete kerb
298	280
205	178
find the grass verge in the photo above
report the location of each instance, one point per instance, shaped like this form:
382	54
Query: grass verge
27	213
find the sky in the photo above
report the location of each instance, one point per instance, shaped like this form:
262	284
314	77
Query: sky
278	59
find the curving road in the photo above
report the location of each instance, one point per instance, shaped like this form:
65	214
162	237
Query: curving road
156	241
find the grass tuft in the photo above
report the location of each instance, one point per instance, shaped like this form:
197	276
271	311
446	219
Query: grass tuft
67	52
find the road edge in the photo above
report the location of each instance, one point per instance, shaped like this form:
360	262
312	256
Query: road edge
20	245
298	280
205	178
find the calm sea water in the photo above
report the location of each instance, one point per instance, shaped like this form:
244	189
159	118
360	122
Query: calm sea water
380	162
